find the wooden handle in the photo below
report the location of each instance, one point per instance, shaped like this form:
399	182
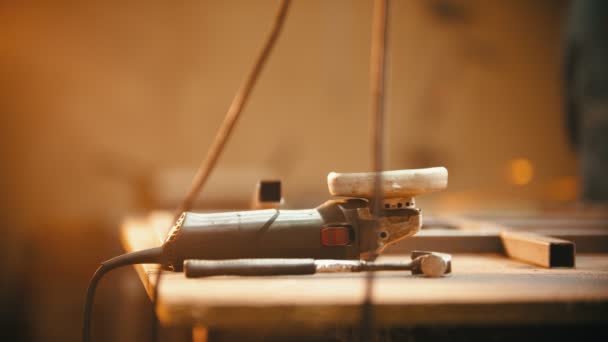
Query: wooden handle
398	183
248	267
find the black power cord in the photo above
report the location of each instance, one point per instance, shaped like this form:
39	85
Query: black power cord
146	256
154	255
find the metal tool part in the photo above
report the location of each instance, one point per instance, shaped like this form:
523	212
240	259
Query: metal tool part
429	264
341	228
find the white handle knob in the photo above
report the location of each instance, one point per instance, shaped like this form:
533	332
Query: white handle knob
398	183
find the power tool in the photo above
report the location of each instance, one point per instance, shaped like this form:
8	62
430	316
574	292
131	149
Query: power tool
349	226
341	228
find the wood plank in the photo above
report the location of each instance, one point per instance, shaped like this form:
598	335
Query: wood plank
538	249
449	241
200	334
486	288
482	241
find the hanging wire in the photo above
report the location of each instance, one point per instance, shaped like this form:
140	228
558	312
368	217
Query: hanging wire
377	80
225	131
234	112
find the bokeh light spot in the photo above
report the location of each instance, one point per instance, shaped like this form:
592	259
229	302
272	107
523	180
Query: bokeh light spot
521	171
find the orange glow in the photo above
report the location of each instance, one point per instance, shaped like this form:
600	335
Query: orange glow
564	189
521	171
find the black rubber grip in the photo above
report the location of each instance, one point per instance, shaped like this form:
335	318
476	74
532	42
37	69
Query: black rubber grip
194	268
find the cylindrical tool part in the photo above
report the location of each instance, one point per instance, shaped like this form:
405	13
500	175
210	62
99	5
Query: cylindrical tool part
248	267
261	234
332	266
386	266
433	265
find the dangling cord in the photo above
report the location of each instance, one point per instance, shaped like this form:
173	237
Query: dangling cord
234	112
377	78
224	132
154	255
147	256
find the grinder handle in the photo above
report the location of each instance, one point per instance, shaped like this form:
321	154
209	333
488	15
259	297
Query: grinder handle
395	184
194	268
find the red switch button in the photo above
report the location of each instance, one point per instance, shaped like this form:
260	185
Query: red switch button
335	236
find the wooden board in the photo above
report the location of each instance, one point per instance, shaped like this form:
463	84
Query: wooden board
484	288
465	235
539	249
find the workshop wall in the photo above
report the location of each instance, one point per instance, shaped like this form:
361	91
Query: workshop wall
109	106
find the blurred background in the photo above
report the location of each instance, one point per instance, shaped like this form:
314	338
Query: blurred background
108	107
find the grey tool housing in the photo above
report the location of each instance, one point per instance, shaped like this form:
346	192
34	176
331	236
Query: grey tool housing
341	228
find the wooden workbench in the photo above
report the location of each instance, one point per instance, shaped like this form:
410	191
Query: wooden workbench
484	288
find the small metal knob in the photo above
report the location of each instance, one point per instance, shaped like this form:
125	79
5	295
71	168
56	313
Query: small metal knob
433	265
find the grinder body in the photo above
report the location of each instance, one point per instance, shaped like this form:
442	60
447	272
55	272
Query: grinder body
337	229
341	228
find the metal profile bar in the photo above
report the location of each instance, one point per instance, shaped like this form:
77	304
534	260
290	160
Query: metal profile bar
539	249
480	241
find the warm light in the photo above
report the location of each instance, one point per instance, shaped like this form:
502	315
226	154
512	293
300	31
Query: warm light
521	171
563	188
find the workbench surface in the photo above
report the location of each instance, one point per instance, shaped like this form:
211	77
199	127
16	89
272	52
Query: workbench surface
483	288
